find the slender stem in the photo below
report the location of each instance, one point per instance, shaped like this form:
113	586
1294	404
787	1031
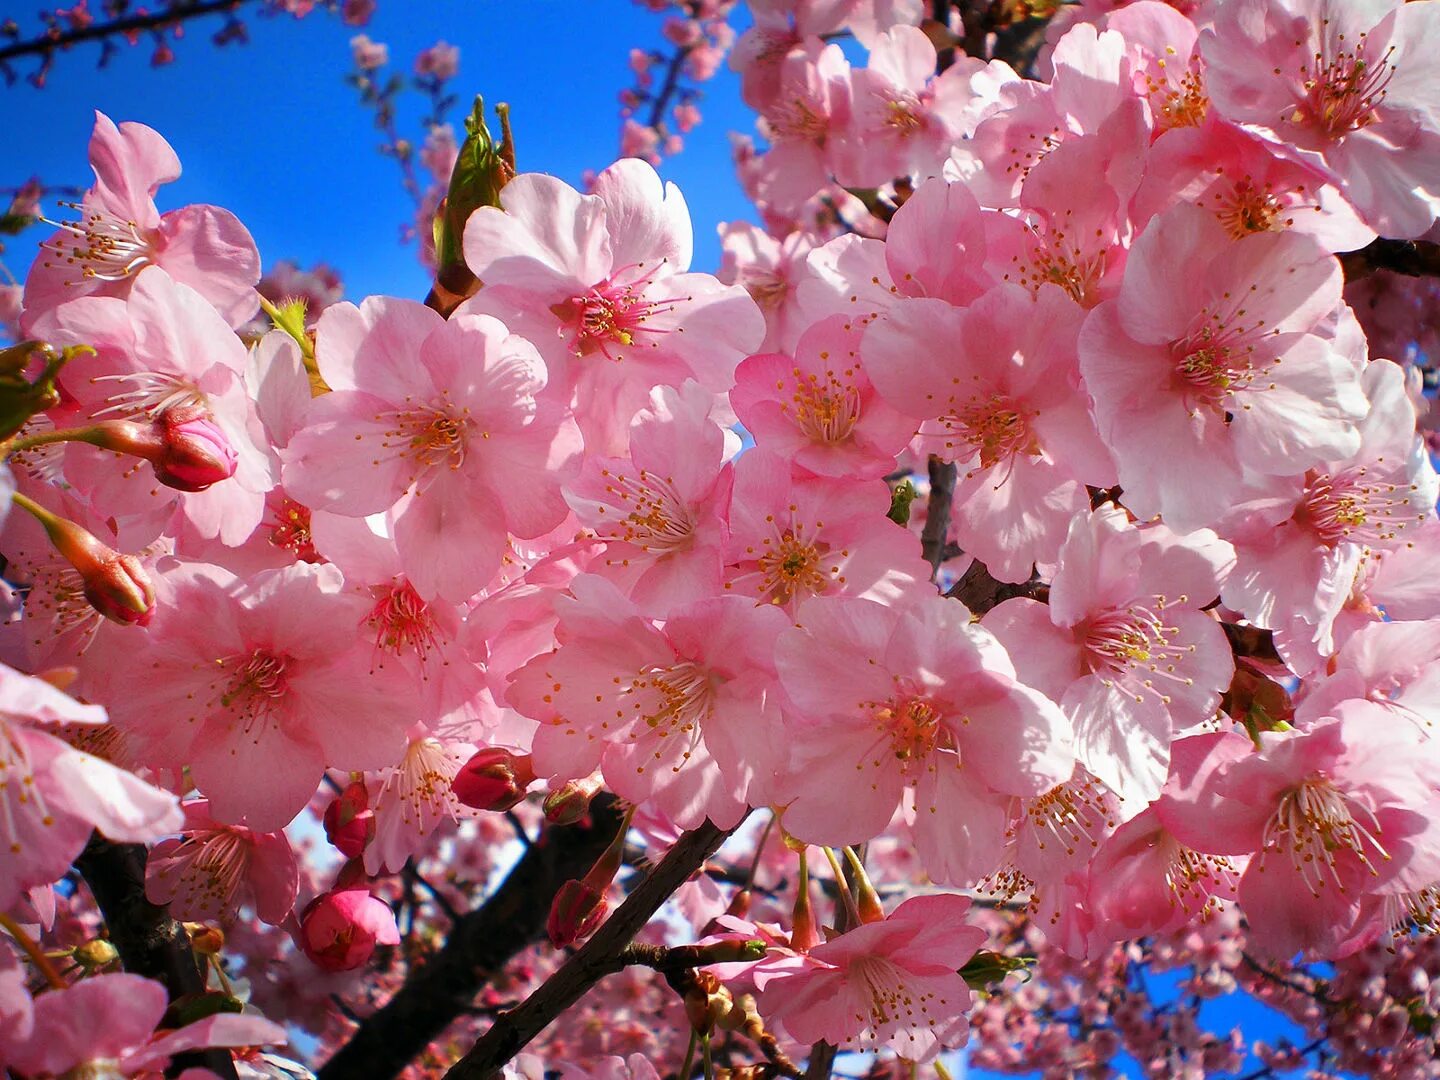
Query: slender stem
842	883
33	951
46	438
689	1066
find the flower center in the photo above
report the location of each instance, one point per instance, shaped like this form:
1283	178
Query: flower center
1314	823
1248	209
912	727
1212	364
994	427
613	314
1073	815
1351	508
100	246
290	529
672	701
1343	90
656	518
256	684
800	119
791	568
1133	646
216	861
1179	104
150	393
402	622
422	785
825	409
903	115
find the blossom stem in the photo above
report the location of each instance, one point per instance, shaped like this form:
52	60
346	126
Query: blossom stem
852	909
33	951
46	438
689	1066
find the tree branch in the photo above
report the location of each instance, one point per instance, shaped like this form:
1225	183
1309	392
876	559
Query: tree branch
514	1029
150	943
173	14
481	942
937	513
1413	258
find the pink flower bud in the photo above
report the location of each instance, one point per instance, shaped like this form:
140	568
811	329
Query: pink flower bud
568	804
115	585
339	930
576	911
195	453
349	821
494	779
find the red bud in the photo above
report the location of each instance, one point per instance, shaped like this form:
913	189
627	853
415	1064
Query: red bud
494	779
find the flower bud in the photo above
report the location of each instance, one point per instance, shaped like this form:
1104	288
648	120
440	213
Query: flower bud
115	585
578	908
349	821
494	779
95	954
568	804
339	930
205	939
195	452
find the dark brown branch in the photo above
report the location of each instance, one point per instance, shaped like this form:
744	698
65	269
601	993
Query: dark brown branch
129	24
1413	258
980	592
150	943
937	513
513	1030
481	942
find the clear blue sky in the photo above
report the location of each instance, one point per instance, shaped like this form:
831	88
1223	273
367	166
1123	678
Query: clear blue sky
269	130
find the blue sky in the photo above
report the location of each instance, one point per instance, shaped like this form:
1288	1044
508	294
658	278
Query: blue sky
270	131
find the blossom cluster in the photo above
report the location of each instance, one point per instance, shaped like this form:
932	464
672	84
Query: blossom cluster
1155	654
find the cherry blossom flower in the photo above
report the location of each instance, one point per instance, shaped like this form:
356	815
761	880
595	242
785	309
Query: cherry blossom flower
818	407
257	685
1346	86
1130	661
892	983
105	1026
211	869
998	387
1206	372
661	510
459	445
120	231
681	714
889	698
599	284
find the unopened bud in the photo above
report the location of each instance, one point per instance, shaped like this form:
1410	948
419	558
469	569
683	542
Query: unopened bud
568	804
184	445
987	967
349	821
95	954
575	913
195	452
205	939
116	585
339	930
494	779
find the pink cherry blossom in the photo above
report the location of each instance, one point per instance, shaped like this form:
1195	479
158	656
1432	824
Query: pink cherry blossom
459	444
599	284
1129	661
211	869
105	1025
683	714
415	800
339	930
120	231
999	389
891	983
257	685
1206	372
1345	86
818	407
794	538
912	696
661	511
